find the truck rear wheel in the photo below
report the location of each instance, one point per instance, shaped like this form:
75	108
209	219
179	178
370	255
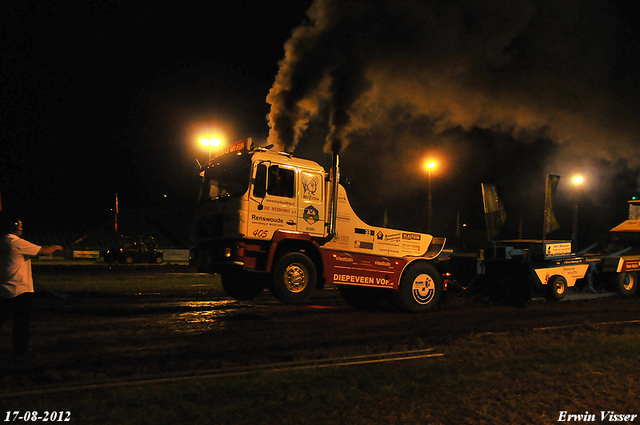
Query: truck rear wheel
242	286
420	288
294	278
556	288
625	283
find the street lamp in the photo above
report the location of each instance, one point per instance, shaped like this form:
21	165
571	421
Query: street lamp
429	165
577	180
213	142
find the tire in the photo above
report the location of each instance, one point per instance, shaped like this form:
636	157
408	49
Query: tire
294	279
420	288
364	298
242	286
556	288
625	283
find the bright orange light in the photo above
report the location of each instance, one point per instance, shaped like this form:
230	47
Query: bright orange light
213	142
430	165
578	180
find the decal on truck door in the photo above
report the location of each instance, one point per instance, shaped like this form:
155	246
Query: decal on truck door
311	215
311	206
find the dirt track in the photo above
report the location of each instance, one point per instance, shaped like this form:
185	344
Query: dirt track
88	338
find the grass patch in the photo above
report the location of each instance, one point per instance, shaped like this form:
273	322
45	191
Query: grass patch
483	379
125	283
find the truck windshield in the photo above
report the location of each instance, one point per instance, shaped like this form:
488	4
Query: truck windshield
227	177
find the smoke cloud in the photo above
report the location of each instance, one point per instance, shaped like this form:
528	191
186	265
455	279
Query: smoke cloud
527	69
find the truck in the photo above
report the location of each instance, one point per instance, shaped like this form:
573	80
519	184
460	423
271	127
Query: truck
267	219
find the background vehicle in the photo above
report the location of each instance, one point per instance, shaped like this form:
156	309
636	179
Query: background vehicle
134	249
513	271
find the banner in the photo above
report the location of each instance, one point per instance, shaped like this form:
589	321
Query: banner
550	222
494	212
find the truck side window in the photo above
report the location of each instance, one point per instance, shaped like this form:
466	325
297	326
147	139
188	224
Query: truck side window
281	182
260	182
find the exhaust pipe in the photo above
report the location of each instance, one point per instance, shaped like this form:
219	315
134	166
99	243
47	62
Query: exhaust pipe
333	201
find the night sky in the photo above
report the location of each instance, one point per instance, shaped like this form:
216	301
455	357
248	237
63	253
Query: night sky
105	97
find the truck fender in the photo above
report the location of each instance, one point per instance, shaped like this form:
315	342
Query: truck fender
415	261
280	236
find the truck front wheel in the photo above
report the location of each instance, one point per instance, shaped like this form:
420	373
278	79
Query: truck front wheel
420	288
294	278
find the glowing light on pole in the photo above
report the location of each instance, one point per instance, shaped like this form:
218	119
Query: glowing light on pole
429	165
213	142
577	181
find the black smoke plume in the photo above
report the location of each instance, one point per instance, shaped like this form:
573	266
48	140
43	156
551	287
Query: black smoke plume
527	69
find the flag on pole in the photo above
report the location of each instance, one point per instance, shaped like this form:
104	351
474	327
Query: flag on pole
115	216
550	222
494	213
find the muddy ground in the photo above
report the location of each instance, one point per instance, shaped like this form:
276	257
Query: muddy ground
100	337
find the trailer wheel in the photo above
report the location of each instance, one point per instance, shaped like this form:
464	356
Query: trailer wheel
625	283
294	278
420	288
242	286
556	288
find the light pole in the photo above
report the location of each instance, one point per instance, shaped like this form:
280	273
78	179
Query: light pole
213	142
577	180
430	165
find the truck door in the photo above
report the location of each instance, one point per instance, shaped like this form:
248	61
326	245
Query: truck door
273	204
311	203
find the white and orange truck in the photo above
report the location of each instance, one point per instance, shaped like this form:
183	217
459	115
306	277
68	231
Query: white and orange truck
266	219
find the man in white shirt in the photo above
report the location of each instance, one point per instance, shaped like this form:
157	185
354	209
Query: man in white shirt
16	282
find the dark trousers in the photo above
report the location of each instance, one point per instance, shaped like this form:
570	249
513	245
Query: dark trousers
19	308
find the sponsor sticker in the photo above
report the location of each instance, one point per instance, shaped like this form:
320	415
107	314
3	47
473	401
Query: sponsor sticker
424	289
382	262
361	280
311	215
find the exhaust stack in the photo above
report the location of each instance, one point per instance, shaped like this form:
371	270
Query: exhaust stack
333	201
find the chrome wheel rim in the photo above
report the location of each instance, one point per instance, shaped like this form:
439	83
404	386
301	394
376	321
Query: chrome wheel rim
295	278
